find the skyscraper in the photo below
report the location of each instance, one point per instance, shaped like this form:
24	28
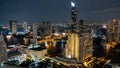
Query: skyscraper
79	43
13	26
72	47
113	30
47	26
78	47
34	40
25	26
73	17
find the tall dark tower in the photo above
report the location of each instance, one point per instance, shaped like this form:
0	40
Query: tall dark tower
73	17
13	26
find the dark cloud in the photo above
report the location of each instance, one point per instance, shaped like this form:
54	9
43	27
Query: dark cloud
58	10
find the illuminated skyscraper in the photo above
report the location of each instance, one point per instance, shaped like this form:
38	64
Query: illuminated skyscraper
73	17
113	30
78	47
13	26
79	44
72	47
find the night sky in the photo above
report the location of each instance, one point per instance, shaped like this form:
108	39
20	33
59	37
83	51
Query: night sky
58	11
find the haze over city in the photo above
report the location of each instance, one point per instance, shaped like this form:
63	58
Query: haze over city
58	11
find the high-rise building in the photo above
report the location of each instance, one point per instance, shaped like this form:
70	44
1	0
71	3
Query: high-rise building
47	28
99	43
79	44
72	47
81	27
25	26
3	50
34	29
13	26
73	17
78	47
113	30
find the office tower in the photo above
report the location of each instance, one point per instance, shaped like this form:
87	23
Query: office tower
25	26
73	17
78	47
3	50
47	28
113	30
13	26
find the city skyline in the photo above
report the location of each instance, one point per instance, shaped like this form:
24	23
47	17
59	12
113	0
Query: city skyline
99	11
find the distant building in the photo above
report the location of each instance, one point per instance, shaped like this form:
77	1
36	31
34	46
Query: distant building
56	29
97	26
113	30
25	27
20	29
34	33
47	26
3	50
13	26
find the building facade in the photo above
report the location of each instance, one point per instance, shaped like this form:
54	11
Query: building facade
78	47
34	40
113	30
25	27
3	50
47	26
13	26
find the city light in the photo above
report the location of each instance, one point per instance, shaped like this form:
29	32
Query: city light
8	37
104	26
72	4
69	56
